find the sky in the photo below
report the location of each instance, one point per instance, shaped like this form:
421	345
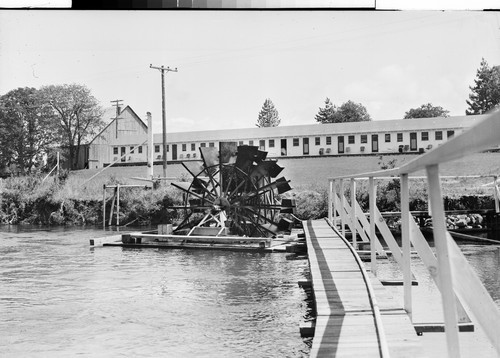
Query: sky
229	62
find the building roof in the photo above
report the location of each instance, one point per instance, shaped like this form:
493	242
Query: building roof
318	129
127	108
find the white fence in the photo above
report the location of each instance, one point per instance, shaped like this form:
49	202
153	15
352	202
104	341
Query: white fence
456	280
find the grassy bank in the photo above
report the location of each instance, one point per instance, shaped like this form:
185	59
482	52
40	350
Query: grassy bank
75	199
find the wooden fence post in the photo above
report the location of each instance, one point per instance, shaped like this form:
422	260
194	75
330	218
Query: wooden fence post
342	210
104	207
118	205
330	200
405	238
444	267
112	207
496	194
354	219
373	234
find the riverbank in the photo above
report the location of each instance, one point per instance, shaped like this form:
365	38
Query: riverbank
76	198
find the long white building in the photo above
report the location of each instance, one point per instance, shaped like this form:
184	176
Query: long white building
124	140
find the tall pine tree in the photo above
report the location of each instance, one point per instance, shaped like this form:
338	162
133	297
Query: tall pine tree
326	114
486	91
268	115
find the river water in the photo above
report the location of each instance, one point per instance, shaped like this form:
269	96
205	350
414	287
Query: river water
61	298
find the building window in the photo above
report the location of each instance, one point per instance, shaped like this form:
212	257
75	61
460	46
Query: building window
202	145
140	149
271	143
211	144
250	142
388	137
317	141
157	149
450	134
168	148
425	136
364	138
328	140
115	150
193	147
295	142
262	144
439	135
184	147
350	139
400	137
240	142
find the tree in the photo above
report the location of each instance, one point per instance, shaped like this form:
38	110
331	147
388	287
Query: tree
347	112
25	129
486	91
326	114
426	111
77	115
268	115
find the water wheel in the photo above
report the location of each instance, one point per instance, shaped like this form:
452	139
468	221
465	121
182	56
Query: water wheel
233	190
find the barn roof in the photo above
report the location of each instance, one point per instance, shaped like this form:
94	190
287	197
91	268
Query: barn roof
107	113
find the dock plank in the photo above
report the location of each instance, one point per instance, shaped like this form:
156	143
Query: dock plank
345	324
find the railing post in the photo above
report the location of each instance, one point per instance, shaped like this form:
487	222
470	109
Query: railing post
353	213
373	201
495	194
104	207
342	210
405	238
334	200
330	200
118	205
444	268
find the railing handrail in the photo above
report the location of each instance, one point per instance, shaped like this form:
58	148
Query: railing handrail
482	136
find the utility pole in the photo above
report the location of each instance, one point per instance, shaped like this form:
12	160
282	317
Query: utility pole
117	104
163	111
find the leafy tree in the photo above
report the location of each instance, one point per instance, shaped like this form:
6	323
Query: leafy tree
76	114
427	111
347	112
268	115
25	129
326	114
486	90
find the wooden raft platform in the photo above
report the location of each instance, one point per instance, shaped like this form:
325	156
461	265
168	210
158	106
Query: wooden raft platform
345	324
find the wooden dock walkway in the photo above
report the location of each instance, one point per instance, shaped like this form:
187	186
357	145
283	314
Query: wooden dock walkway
345	323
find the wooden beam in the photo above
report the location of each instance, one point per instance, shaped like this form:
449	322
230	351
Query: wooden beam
471	291
405	237
372	193
354	219
443	269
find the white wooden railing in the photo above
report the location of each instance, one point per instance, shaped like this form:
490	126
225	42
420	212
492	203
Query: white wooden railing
457	282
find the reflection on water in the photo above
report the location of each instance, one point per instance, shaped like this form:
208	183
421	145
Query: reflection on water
61	298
